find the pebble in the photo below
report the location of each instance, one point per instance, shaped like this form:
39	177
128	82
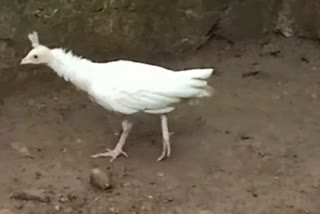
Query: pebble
100	180
160	174
63	199
23	150
57	207
270	49
31	195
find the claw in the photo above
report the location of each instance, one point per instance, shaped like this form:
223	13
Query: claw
114	154
166	151
162	157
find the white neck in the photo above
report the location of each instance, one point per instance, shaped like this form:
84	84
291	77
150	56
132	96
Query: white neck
72	68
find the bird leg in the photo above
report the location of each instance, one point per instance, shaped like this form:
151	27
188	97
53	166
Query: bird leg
117	151
166	147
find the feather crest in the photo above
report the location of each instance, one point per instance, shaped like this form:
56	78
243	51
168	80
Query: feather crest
34	39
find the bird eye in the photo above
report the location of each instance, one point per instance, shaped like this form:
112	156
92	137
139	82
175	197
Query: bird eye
35	56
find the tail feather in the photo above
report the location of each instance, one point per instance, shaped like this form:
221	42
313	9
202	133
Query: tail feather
197	78
207	91
203	73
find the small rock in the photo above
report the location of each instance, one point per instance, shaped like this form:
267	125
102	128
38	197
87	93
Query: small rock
100	180
31	102
169	200
250	73
71	197
57	207
271	50
304	59
112	210
160	174
63	199
244	137
6	211
42	106
126	184
31	195
38	175
253	192
21	149
286	31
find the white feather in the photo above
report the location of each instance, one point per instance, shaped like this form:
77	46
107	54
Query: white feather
129	87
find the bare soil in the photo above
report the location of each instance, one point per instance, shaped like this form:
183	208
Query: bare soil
253	148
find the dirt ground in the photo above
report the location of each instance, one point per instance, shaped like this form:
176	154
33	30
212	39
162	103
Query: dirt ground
252	148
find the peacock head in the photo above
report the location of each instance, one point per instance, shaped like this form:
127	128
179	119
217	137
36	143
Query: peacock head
39	54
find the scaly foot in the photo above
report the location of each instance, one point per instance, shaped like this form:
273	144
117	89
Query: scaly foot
166	150
166	145
114	154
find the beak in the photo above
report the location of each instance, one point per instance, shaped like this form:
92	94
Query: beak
24	61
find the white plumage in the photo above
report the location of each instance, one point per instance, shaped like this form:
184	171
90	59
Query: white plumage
125	87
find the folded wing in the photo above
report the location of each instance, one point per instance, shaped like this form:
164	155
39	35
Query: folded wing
149	90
